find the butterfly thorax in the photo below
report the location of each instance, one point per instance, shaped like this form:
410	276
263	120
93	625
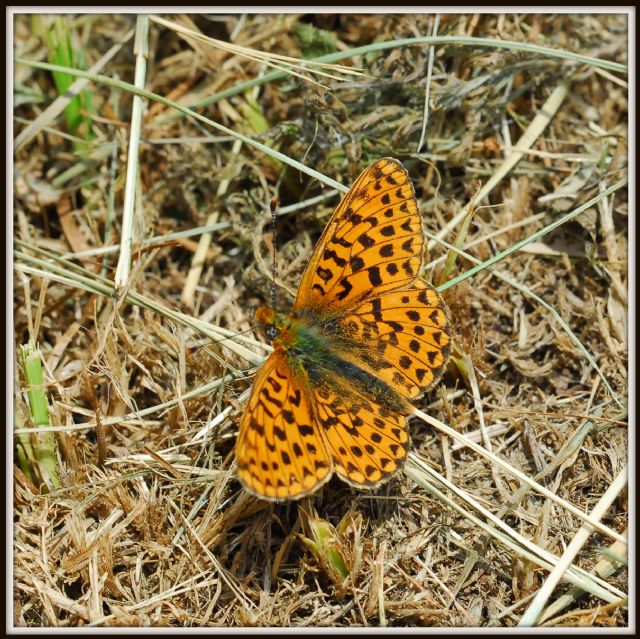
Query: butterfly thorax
301	340
318	352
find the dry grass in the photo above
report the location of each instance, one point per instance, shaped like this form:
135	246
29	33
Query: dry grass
142	522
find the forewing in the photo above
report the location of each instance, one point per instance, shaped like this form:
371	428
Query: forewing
280	452
403	336
368	442
372	243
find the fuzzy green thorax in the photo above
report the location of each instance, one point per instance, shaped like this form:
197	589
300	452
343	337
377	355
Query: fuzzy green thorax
318	351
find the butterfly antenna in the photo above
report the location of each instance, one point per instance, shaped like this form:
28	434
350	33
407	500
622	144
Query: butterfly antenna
274	207
222	339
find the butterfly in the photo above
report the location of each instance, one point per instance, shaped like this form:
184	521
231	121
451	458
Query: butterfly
365	336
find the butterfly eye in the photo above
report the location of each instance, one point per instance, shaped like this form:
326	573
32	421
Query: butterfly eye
272	333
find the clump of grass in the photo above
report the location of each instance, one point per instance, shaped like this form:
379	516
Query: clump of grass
36	450
62	50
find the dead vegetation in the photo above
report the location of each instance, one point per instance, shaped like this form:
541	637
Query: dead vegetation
141	521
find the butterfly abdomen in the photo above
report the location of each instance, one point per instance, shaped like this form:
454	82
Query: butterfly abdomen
364	383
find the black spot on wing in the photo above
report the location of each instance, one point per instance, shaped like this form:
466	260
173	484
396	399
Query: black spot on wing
324	274
392	268
374	276
366	240
346	288
356	263
330	254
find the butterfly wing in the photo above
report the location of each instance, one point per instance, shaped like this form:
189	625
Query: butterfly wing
373	242
279	451
363	276
368	442
403	336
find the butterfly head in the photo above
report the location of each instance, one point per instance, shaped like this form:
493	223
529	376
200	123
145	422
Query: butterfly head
276	325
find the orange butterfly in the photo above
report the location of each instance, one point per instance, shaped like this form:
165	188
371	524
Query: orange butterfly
365	336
